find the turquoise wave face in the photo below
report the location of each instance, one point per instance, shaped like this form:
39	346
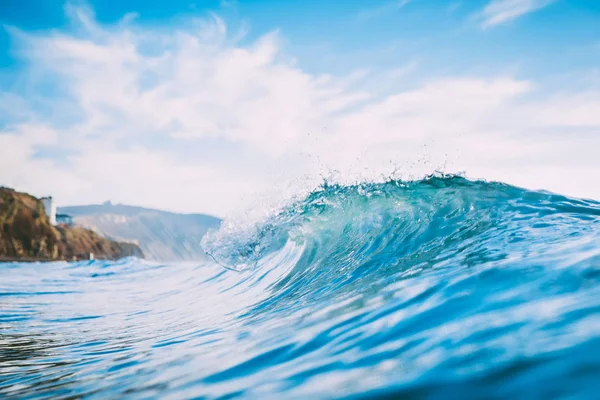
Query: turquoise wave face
441	288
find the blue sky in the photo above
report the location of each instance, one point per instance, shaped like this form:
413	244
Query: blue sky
434	30
218	101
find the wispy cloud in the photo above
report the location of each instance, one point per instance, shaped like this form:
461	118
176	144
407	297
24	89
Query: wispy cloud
389	6
229	4
498	12
192	120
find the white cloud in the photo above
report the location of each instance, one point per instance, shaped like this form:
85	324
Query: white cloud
192	120
498	12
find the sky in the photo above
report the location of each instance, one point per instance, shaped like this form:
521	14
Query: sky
211	106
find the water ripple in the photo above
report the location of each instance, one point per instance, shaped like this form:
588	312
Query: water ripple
443	288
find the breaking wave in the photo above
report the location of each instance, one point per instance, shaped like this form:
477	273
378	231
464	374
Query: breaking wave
443	287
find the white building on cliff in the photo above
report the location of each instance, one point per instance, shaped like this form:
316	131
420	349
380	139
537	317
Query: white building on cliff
50	207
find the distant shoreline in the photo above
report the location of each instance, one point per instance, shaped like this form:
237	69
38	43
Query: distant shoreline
27	259
36	259
28	234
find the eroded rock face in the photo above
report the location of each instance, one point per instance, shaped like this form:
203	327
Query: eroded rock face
26	234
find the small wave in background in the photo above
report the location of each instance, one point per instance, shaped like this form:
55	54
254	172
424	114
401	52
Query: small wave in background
443	287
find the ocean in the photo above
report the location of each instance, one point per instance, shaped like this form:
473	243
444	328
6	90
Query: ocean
438	288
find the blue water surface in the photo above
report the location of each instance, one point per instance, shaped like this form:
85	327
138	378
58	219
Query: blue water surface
441	288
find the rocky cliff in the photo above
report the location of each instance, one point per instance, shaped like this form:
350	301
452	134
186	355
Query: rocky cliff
26	234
